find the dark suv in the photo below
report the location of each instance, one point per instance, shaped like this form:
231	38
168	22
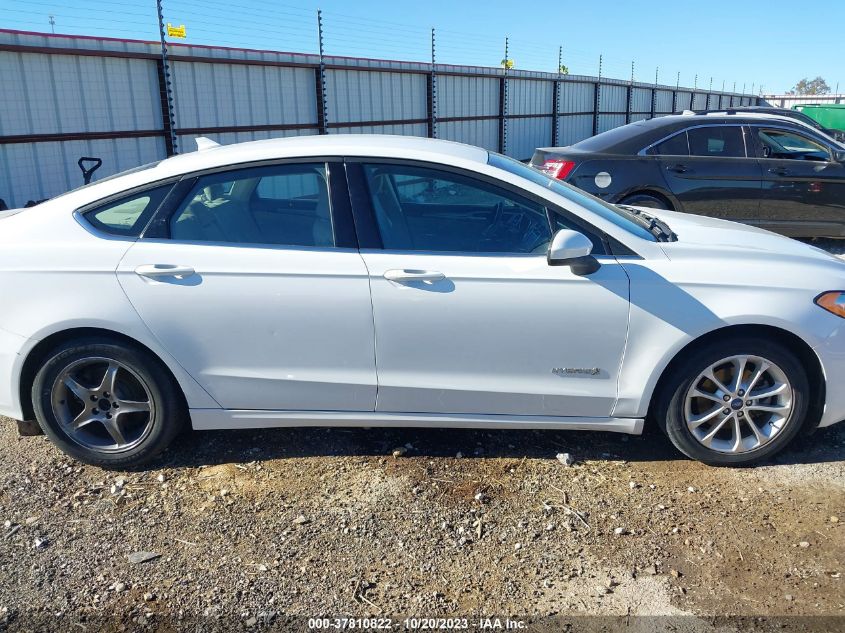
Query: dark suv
765	170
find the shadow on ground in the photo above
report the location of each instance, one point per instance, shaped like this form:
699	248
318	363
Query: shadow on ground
220	447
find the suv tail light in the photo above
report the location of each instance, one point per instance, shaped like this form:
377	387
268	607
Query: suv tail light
558	168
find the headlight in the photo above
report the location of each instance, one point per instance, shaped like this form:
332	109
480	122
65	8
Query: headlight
833	301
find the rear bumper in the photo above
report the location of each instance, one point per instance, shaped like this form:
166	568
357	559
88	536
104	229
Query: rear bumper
11	348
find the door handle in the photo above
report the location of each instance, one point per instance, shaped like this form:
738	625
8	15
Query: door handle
413	275
153	271
779	171
678	169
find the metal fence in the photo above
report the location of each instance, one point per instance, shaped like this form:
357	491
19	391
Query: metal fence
787	101
64	97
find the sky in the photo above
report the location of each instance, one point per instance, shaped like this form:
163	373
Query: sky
751	43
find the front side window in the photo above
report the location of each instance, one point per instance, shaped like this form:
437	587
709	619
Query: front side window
789	145
721	141
286	205
418	208
127	216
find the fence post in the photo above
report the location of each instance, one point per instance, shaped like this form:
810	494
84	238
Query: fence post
630	105
503	105
432	93
654	93
675	93
166	90
556	87
322	111
597	101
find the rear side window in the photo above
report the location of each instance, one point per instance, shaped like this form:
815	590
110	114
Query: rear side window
127	216
282	205
723	142
675	146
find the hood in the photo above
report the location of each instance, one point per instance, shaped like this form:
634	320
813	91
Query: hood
702	235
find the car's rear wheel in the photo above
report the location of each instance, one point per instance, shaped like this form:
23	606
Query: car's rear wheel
646	200
106	403
736	402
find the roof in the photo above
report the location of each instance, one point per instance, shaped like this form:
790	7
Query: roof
376	145
630	139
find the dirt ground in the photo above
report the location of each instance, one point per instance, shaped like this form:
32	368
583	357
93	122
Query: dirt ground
255	530
252	527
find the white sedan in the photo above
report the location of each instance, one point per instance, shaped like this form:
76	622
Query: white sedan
393	281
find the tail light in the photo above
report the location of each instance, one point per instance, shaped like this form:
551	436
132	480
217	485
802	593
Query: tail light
558	168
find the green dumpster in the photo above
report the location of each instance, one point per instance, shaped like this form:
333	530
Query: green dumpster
829	115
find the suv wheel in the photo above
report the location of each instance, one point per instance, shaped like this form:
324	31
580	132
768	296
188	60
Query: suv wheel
736	402
106	403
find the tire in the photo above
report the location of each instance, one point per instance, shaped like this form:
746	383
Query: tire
678	408
76	410
646	200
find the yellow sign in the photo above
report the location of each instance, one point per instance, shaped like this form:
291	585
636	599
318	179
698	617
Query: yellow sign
176	31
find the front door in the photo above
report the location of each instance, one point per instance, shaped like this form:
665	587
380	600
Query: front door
469	316
803	189
716	178
254	294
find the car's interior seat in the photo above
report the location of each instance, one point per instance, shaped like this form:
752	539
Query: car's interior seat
391	219
219	219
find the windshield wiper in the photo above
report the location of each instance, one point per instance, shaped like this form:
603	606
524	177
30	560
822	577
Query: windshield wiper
655	226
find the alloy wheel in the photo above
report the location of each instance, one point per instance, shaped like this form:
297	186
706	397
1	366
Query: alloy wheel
738	404
103	405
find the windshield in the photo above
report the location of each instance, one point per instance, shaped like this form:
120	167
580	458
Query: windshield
619	216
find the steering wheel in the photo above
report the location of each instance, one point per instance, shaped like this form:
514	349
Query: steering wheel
498	215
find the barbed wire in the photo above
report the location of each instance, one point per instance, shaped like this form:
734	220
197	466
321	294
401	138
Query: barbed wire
287	27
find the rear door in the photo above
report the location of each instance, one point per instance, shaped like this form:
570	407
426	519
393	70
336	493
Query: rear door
254	285
707	168
803	189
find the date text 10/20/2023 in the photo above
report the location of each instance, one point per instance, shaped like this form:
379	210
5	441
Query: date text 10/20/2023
416	624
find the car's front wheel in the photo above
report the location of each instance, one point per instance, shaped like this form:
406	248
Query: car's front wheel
106	403
734	403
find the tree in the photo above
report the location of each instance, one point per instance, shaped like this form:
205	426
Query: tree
817	86
563	70
507	63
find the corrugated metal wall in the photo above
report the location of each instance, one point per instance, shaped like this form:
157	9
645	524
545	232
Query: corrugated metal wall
65	97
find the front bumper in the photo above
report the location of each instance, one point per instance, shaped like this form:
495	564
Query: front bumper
11	347
832	356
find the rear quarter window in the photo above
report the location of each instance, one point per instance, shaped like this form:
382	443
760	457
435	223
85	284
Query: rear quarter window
127	216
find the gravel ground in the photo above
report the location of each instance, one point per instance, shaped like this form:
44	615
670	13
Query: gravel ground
249	530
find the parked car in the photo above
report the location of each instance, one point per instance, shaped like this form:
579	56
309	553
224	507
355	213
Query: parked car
393	281
795	113
767	171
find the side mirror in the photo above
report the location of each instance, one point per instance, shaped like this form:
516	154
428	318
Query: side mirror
839	155
573	249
